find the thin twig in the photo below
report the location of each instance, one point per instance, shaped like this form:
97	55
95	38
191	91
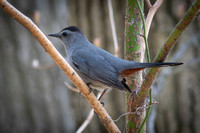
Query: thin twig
36	65
149	3
86	122
88	119
112	22
130	113
60	61
151	13
71	88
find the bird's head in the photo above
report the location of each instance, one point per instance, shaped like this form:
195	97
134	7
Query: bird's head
69	35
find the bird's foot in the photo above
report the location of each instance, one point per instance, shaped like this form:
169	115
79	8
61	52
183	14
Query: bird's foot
102	103
134	93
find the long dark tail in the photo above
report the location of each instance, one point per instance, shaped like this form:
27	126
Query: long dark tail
158	64
136	66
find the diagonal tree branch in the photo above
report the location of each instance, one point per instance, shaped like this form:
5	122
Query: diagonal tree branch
173	37
60	61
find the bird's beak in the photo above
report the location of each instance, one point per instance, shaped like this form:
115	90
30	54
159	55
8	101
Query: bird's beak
54	35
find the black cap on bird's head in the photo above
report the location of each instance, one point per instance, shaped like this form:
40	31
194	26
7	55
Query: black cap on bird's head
64	31
72	28
69	35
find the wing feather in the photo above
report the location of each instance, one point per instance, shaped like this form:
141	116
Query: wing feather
96	67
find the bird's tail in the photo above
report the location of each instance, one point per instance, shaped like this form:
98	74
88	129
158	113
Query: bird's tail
136	66
158	64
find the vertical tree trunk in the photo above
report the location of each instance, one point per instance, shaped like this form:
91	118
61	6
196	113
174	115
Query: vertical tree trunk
134	51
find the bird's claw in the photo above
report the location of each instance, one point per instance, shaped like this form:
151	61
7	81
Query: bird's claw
90	89
102	103
134	93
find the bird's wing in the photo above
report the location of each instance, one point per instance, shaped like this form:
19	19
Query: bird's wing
96	67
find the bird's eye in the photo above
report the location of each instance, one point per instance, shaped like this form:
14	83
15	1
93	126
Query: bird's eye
64	34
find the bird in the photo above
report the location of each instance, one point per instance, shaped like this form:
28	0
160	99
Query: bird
98	68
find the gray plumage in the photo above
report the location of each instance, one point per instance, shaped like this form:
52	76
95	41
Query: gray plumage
98	68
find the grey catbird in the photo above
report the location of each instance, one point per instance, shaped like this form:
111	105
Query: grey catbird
98	68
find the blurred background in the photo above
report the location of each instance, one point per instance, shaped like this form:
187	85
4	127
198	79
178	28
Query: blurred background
34	98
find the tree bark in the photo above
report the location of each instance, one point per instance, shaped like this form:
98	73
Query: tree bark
134	51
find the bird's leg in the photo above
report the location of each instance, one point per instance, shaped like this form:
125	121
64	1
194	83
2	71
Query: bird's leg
104	91
126	86
90	89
